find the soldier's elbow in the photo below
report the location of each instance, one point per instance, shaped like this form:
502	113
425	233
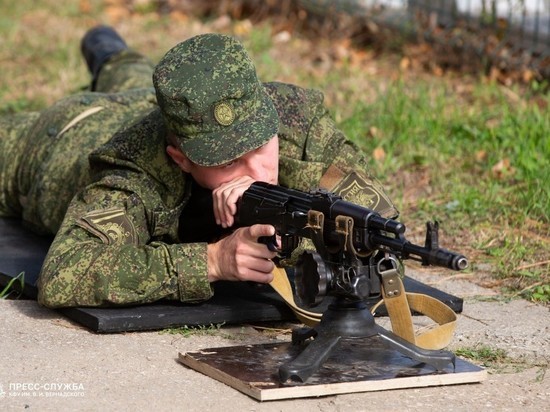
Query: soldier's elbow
52	293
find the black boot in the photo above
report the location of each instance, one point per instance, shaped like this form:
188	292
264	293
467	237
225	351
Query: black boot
97	46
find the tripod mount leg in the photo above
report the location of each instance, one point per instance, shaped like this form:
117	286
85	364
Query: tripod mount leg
346	319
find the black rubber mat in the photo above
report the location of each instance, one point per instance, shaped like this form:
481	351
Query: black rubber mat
21	251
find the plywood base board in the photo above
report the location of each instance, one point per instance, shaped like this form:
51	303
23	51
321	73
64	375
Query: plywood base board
359	365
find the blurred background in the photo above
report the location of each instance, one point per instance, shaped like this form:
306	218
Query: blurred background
450	99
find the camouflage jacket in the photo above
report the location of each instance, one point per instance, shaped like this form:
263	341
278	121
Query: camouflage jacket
120	242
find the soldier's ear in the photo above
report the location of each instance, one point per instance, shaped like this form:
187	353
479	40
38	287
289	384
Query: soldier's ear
179	158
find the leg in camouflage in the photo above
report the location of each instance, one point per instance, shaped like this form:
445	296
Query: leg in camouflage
127	70
97	46
43	156
13	128
114	67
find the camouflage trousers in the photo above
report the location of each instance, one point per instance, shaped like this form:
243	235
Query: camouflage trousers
43	155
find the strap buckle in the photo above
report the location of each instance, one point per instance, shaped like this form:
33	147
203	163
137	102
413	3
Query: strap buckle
392	286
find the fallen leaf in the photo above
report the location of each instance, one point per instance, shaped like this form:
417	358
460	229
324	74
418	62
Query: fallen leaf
179	16
374	131
84	6
243	28
502	169
481	155
379	154
492	123
117	13
282	37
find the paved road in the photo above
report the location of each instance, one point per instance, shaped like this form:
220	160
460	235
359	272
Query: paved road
66	367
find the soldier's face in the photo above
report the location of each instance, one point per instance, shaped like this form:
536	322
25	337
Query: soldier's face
261	165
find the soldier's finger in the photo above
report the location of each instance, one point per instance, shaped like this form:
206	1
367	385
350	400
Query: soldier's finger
257	231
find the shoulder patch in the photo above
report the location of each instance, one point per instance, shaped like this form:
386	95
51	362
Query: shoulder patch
112	226
354	187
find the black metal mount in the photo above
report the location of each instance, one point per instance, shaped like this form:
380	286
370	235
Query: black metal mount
350	319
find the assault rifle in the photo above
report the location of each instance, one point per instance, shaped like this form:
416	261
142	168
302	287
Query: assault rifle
352	242
357	252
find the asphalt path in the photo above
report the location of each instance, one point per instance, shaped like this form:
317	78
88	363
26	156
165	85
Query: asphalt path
50	363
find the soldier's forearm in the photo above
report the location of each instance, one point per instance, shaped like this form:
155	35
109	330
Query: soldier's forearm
90	273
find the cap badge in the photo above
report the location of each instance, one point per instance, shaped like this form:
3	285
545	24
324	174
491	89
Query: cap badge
224	114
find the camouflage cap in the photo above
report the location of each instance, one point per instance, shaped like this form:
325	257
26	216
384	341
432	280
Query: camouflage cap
212	100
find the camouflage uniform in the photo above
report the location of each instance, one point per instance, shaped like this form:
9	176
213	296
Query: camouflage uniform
43	156
121	239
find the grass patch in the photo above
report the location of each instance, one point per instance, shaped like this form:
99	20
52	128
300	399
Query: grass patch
482	160
19	105
14	286
495	360
498	361
483	355
187	331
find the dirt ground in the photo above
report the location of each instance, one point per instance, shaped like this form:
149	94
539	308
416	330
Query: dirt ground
139	371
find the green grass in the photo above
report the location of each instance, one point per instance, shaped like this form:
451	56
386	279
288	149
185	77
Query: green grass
462	145
470	153
187	331
483	355
17	282
498	361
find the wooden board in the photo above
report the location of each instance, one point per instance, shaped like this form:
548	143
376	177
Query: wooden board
359	365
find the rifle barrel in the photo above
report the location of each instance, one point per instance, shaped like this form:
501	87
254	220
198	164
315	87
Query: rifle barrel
436	257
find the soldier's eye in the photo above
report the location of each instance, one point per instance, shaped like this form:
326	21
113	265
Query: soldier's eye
226	165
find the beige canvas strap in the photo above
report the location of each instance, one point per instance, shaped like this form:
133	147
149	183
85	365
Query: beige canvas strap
399	307
399	310
281	285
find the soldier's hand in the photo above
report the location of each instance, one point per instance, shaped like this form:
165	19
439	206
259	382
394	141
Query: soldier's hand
239	256
226	198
